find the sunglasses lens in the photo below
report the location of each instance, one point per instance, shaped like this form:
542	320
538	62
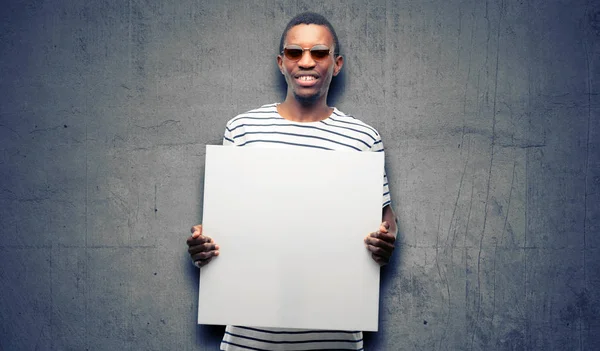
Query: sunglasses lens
319	54
295	53
292	53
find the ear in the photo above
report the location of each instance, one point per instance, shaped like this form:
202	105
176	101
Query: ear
337	65
280	63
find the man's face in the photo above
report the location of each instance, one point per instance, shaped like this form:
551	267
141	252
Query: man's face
308	79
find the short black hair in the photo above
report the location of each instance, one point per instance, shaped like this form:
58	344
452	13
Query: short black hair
310	18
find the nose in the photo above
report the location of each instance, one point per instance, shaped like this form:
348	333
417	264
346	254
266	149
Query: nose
306	61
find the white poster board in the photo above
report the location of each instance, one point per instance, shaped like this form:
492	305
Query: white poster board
290	223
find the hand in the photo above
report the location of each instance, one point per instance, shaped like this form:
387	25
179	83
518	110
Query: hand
381	244
201	248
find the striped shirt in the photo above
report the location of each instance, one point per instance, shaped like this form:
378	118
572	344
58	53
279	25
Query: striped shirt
265	127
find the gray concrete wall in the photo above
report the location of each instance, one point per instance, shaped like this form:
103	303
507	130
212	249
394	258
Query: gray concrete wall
489	112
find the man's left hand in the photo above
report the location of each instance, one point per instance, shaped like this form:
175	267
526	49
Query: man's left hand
381	244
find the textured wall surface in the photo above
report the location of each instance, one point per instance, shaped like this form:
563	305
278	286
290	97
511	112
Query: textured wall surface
489	111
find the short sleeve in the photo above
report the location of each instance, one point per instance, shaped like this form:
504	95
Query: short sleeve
228	137
378	147
387	199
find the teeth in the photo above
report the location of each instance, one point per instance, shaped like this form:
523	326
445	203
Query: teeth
306	78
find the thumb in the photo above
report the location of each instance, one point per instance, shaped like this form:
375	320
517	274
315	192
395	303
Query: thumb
384	226
196	231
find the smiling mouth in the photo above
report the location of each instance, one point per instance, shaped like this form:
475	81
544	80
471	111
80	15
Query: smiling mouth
306	80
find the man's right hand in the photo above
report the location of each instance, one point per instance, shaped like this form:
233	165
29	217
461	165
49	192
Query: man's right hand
201	248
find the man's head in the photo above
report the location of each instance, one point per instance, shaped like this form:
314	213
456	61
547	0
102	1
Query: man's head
310	18
309	57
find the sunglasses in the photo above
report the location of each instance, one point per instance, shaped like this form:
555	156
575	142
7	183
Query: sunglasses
317	52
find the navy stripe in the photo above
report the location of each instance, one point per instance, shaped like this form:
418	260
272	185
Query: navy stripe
257	349
226	138
386	184
298	332
356	124
384	194
244	347
246	116
377	142
292	342
299	126
356	130
283	142
386	203
375	145
300	135
379	150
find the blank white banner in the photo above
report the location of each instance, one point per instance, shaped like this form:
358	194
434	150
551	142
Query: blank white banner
291	223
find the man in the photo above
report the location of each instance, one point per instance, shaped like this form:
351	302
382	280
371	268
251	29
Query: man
309	57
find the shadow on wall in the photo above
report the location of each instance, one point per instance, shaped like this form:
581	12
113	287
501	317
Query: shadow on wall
336	89
209	336
373	340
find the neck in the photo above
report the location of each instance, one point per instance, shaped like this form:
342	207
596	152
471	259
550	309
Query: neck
299	110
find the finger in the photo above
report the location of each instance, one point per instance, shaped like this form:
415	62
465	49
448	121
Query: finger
379	251
191	241
379	243
384	228
382	261
203	248
201	263
196	230
204	255
387	237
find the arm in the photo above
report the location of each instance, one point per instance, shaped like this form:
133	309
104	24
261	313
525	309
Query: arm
202	248
382	242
